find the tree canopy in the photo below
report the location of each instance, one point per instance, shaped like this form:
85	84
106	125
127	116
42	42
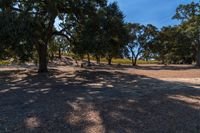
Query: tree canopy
93	28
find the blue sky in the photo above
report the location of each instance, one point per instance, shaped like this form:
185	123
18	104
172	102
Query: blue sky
156	12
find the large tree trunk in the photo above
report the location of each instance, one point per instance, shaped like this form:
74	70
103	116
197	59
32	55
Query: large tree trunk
59	50
198	56
132	59
88	57
135	61
109	61
42	52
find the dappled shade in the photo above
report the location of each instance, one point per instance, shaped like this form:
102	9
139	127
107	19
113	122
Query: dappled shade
88	100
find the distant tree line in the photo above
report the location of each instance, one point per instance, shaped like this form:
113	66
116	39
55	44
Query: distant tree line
38	30
181	43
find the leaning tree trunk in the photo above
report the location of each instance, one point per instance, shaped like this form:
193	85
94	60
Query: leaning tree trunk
42	52
198	55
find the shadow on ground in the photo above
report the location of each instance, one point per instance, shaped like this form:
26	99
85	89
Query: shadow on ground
142	67
96	102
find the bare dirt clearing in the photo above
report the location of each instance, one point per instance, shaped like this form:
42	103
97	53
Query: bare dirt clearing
145	99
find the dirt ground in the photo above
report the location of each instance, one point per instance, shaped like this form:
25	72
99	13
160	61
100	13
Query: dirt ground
100	99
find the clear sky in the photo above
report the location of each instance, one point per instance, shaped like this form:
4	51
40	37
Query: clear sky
156	12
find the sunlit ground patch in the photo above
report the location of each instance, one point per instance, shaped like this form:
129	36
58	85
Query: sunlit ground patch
32	122
192	101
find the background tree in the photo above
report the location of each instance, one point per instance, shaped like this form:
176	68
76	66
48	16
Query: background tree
190	16
58	45
136	42
115	32
14	34
163	44
101	34
172	45
150	33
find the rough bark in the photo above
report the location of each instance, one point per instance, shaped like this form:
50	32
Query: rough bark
42	52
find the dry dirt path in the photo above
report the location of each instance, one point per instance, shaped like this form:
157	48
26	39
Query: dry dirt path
145	99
